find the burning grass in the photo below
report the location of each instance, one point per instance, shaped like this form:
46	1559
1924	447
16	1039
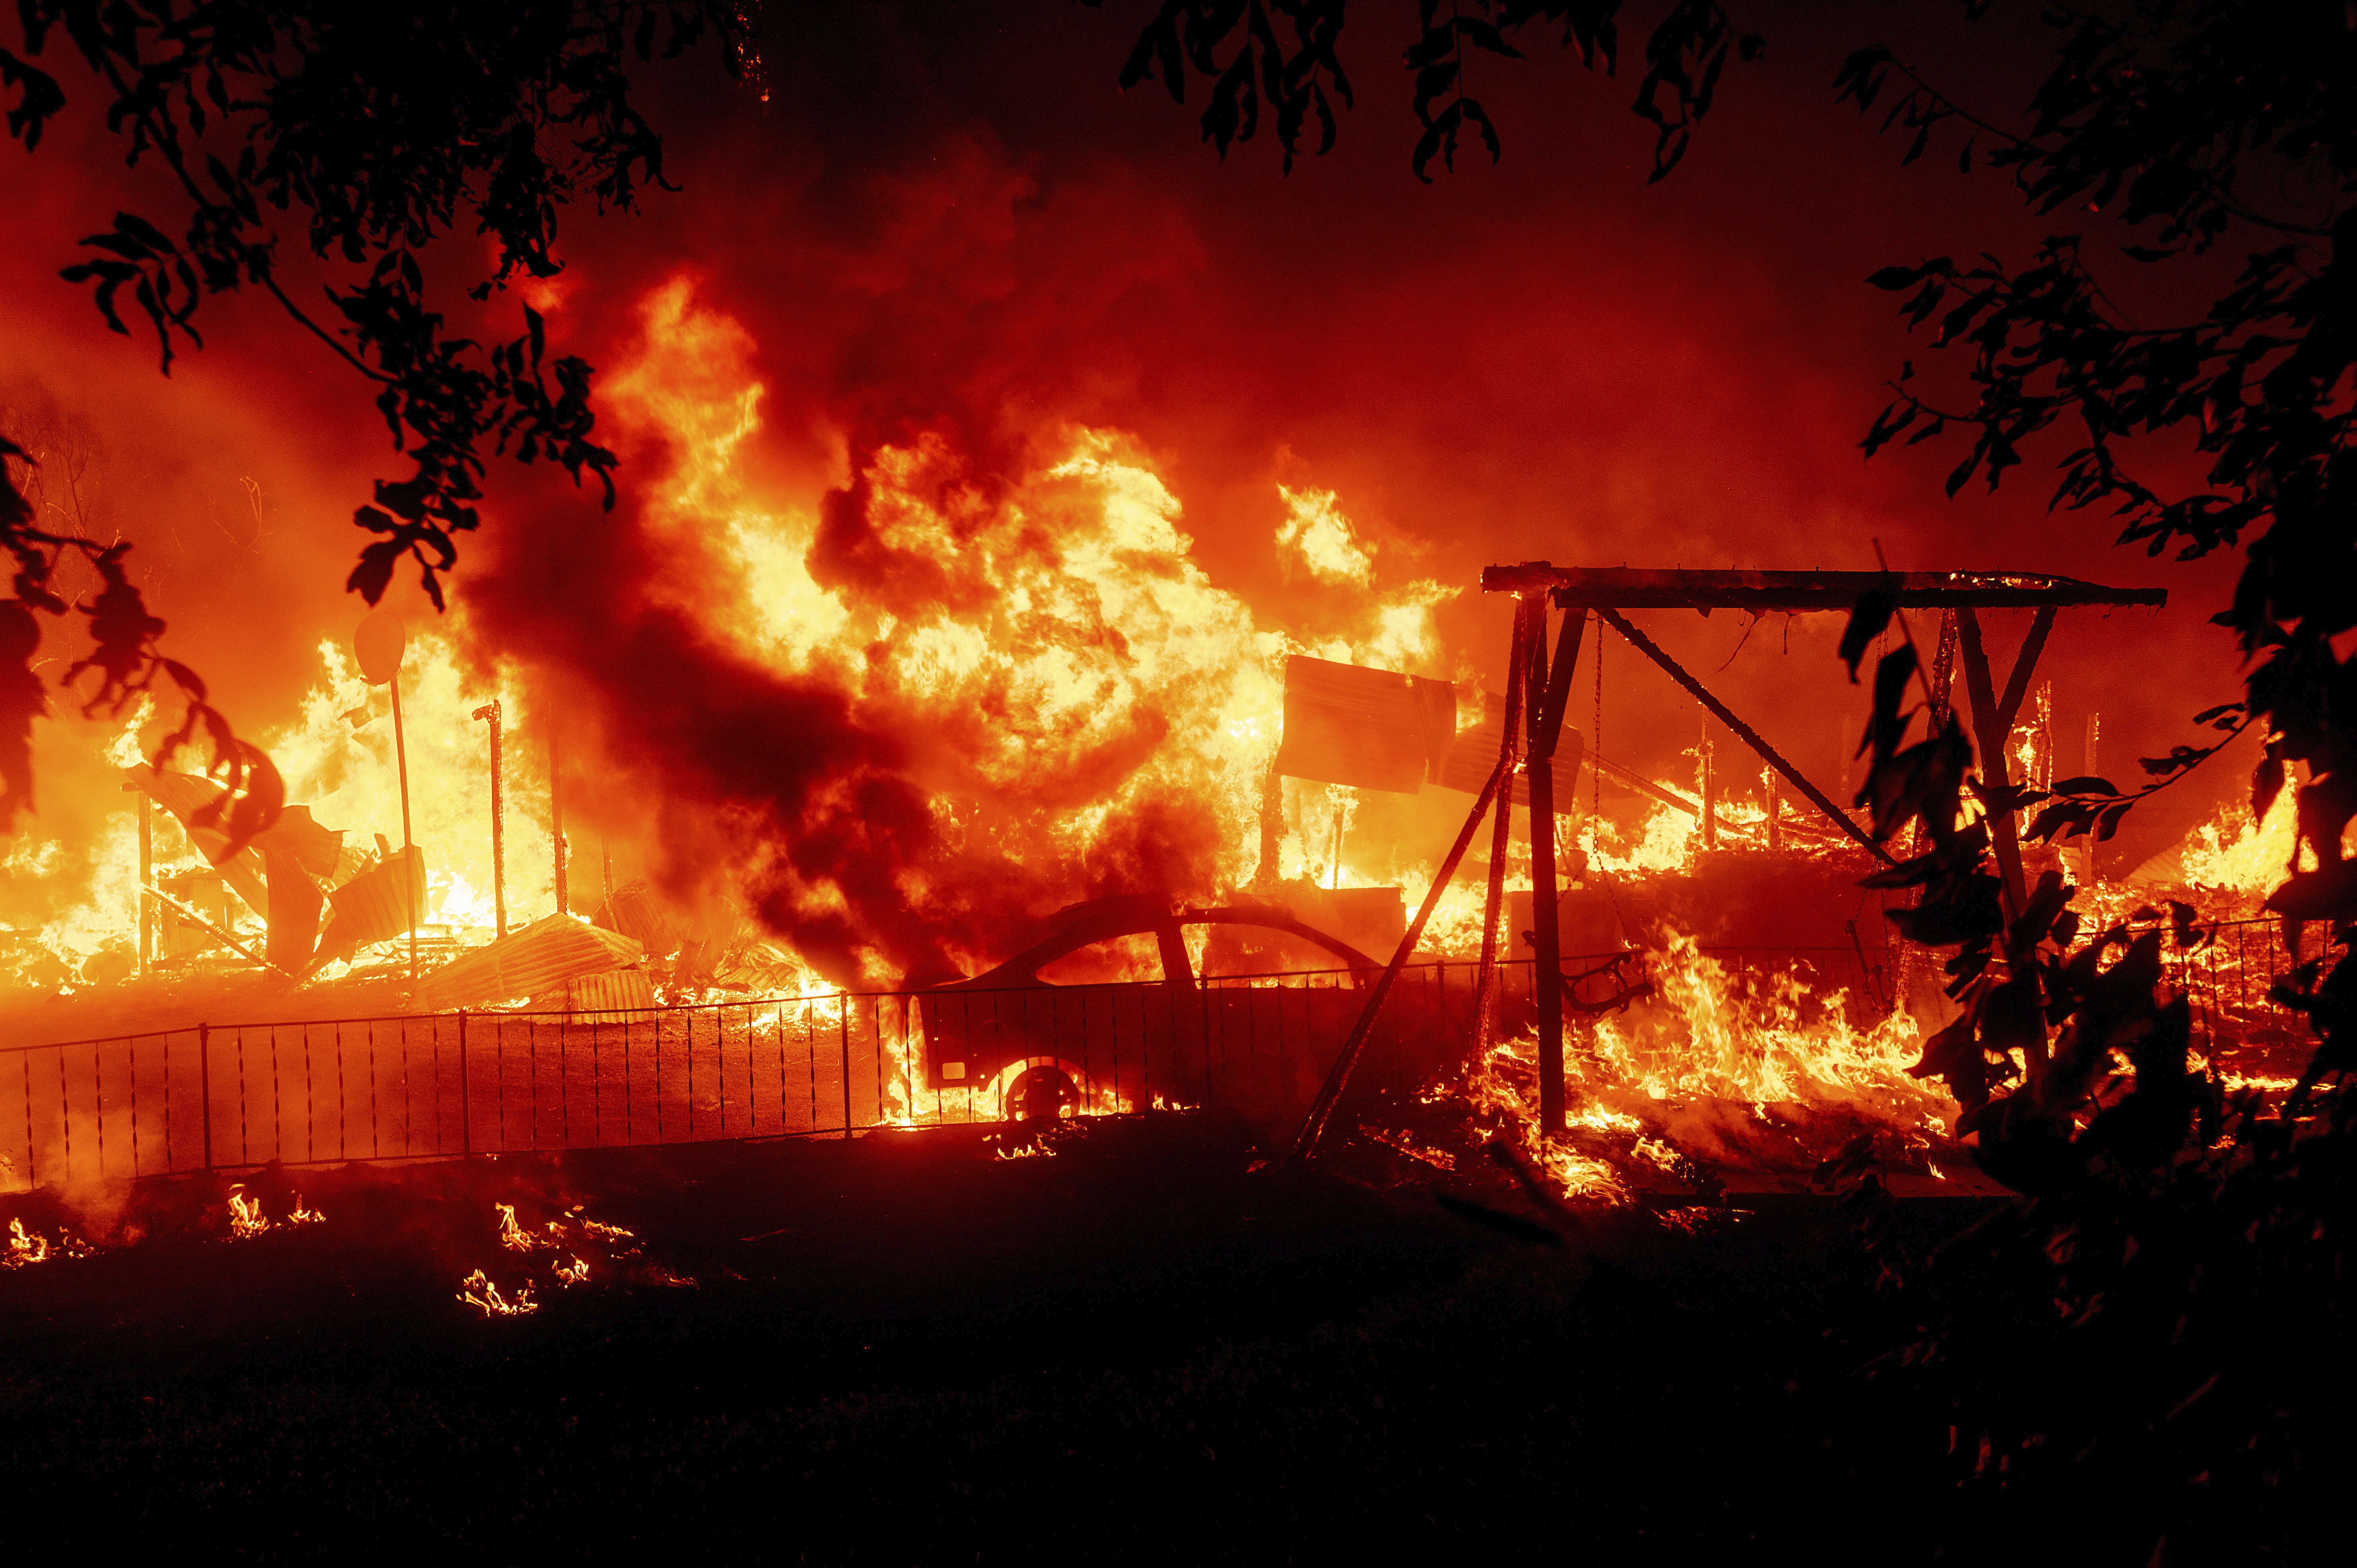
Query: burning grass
1712	1079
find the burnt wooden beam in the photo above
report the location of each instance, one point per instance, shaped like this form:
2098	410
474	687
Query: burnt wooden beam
1337	1077
1548	691
1639	588
1751	738
1548	727
1501	839
211	930
1636	783
2017	684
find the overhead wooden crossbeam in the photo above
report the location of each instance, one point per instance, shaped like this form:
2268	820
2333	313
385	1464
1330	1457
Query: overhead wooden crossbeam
1638	589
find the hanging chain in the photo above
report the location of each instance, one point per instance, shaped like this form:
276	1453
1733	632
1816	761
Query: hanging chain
1596	787
1596	735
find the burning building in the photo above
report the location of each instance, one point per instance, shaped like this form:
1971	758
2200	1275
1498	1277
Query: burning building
1086	835
929	615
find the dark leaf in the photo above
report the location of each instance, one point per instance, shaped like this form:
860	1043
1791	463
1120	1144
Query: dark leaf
2328	893
1866	619
2266	783
368	579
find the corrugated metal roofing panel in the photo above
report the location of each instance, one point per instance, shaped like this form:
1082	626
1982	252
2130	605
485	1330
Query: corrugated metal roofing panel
1474	752
1371	729
533	961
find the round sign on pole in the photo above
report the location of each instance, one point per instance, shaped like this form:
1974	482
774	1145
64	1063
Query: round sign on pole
379	643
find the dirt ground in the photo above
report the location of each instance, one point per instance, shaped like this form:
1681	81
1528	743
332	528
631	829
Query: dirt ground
916	1347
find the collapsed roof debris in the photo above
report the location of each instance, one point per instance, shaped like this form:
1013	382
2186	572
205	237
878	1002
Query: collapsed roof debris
374	906
543	960
278	874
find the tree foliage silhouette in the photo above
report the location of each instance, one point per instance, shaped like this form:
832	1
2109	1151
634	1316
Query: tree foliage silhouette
377	129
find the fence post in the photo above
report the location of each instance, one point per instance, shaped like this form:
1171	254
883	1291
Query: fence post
465	1129
205	1087
846	1060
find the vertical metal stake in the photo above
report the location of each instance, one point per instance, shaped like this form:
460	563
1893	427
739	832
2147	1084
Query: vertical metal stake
557	825
408	848
146	876
490	711
466	1128
847	1069
204	1087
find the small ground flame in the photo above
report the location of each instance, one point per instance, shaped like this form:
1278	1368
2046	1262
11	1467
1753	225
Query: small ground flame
27	1248
478	1291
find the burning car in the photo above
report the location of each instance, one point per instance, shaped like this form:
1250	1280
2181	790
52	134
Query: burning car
1020	1043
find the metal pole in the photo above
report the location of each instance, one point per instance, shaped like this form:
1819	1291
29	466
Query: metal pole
146	875
204	1087
466	1100
845	1040
556	821
408	846
489	712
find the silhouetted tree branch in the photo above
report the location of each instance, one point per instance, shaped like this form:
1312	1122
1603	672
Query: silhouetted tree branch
1293	72
379	129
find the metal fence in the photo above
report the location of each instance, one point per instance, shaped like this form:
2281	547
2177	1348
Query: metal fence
2229	977
239	1096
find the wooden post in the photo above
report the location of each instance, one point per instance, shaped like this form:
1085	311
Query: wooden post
1768	793
1944	669
2046	734
1485	986
1546	725
1993	727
